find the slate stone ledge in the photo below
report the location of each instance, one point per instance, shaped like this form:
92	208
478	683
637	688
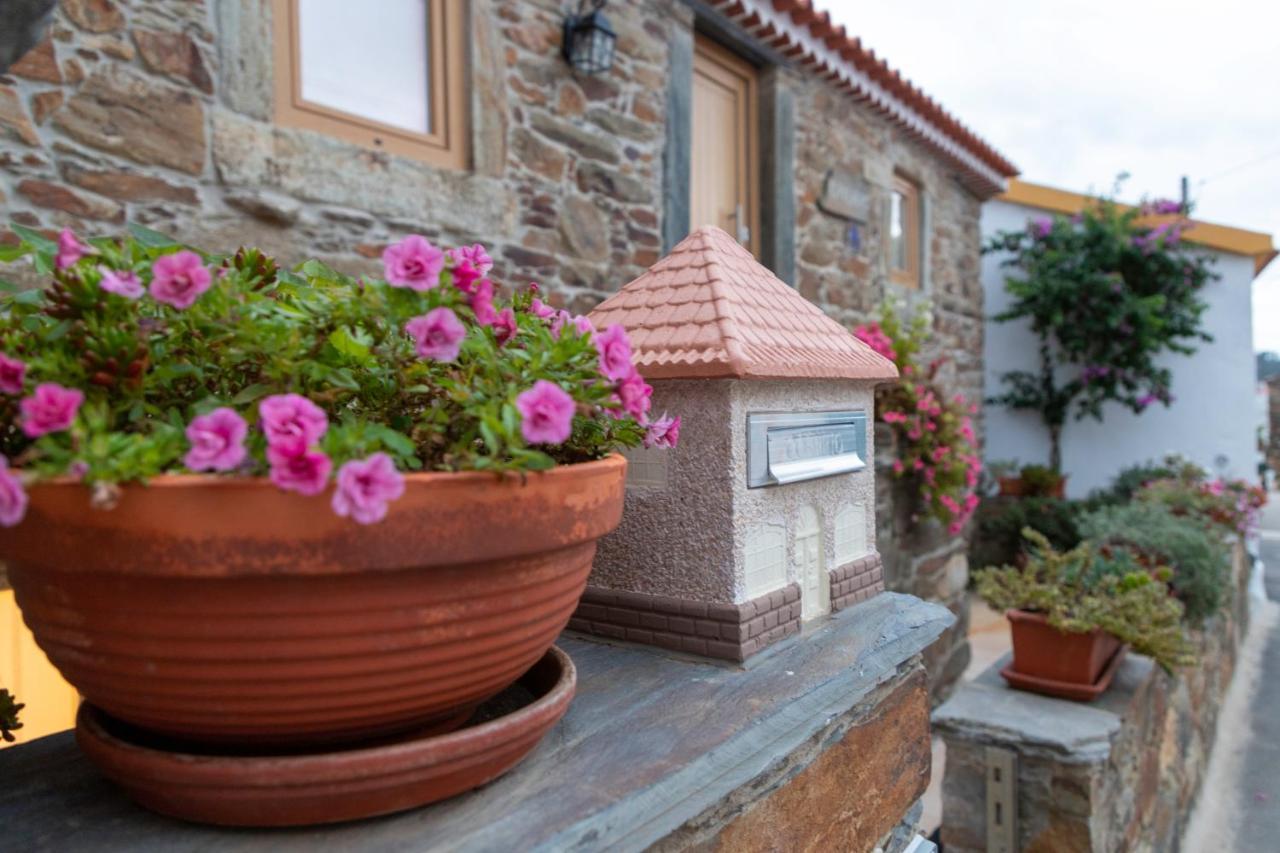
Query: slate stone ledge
652	749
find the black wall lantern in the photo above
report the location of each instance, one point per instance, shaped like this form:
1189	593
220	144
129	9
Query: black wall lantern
588	39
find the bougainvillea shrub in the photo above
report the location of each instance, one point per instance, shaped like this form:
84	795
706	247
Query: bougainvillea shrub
1110	293
144	357
936	444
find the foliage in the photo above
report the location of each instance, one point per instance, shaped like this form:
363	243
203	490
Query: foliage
1126	485
1039	480
1193	550
1089	588
997	535
296	372
1108	293
934	433
9	709
1231	505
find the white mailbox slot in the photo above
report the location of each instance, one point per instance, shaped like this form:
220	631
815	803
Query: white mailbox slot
789	447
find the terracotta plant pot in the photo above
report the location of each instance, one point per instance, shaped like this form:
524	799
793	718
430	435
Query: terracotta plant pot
220	610
1010	487
1048	658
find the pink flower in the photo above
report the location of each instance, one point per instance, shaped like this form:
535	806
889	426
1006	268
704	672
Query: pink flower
634	393
291	422
664	432
465	276
541	309
437	334
546	413
614	348
217	441
364	487
13	497
179	279
121	282
305	473
413	263
475	255
13	373
481	302
70	249
898	467
51	408
504	327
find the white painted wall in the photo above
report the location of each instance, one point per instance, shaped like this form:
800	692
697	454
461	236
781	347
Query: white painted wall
1212	420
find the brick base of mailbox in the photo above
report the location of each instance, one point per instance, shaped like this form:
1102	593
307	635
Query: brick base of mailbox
726	631
855	582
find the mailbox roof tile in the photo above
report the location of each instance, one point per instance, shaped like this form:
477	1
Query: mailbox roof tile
709	310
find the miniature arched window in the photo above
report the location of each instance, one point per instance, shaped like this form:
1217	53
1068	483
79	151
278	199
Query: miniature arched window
850	533
766	564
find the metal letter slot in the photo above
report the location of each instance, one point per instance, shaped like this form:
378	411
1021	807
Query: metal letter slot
792	447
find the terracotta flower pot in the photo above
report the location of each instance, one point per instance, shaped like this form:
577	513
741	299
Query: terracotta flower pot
1049	658
1010	487
223	610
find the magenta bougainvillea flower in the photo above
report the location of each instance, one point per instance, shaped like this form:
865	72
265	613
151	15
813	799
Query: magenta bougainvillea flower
179	279
122	283
217	441
291	422
1042	227
413	263
546	412
13	373
437	335
664	432
614	348
52	408
13	497
365	487
306	473
70	249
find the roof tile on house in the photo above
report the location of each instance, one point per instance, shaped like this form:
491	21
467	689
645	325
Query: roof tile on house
709	310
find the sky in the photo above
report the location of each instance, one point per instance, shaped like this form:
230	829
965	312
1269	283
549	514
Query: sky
1078	91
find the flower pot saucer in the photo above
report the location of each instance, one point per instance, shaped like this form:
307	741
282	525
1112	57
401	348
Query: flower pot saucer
341	785
1065	689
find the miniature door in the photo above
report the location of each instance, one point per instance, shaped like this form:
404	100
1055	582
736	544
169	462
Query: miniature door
815	585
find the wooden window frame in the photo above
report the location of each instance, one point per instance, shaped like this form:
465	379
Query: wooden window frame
908	276
737	73
446	146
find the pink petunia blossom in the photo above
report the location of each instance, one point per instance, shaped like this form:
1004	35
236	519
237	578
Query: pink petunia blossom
179	279
413	263
13	497
121	282
365	487
305	473
291	422
465	277
546	412
481	302
664	432
217	441
13	373
614	348
437	335
538	308
504	327
475	255
634	393
70	249
52	408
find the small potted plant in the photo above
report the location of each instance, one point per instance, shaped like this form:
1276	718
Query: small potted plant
1032	481
250	508
1072	612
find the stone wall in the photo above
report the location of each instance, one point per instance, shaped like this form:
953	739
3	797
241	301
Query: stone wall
160	112
1120	774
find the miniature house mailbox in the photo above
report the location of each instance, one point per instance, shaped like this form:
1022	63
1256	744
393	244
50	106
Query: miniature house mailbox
764	516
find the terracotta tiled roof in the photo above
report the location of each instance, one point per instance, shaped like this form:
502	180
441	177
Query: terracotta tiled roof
710	310
807	37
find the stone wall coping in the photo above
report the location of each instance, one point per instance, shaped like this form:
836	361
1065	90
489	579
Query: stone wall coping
987	710
649	744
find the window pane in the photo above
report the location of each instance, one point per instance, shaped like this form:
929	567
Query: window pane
371	64
898	231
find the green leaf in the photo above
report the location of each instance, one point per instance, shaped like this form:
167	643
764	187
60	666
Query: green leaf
490	437
12	253
151	239
8	286
37	240
251	394
347	344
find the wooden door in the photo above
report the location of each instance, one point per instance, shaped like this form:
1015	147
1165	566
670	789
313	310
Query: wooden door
723	186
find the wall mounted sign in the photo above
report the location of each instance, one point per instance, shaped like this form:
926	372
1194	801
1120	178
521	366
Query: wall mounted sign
846	195
795	446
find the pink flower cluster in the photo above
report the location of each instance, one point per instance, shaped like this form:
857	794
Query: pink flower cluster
874	336
177	279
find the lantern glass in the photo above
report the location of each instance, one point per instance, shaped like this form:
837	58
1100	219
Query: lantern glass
589	43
